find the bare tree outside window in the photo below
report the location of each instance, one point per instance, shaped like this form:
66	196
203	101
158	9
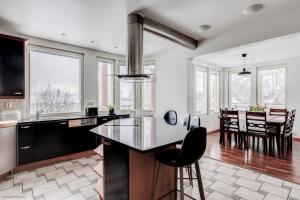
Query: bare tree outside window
240	91
52	100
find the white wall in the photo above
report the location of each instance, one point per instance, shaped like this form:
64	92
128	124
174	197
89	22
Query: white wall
171	84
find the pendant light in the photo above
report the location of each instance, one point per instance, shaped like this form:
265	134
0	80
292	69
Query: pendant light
244	72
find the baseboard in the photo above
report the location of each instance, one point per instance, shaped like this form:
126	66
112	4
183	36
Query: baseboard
44	163
213	131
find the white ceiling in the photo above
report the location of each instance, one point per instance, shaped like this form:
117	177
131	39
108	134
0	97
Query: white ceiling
276	49
104	21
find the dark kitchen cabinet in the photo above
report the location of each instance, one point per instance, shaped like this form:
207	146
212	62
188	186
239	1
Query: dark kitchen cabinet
50	140
25	144
12	67
44	140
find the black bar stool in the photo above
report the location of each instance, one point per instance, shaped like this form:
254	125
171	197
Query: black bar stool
192	149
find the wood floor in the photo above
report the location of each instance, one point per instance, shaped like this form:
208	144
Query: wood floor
286	167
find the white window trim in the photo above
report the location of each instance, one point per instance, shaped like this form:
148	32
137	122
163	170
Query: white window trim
208	70
219	73
149	111
278	66
111	61
60	52
254	80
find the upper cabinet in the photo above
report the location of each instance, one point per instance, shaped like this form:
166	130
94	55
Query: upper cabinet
12	67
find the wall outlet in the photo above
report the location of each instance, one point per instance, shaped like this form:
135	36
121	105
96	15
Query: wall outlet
8	104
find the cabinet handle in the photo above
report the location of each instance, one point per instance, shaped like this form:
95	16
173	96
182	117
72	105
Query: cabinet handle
63	123
25	127
17	93
25	147
104	119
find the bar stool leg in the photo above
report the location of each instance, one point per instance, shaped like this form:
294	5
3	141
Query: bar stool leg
181	184
200	185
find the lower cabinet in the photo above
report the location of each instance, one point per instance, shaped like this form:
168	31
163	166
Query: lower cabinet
38	141
45	140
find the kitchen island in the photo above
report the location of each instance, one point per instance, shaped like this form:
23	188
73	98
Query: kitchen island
128	166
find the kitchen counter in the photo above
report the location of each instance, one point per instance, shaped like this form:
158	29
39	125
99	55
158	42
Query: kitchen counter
142	133
67	117
7	123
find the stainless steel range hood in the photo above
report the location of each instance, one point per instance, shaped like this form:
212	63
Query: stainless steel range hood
137	23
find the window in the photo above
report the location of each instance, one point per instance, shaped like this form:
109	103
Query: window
214	91
239	91
105	83
55	81
271	87
201	90
126	92
149	91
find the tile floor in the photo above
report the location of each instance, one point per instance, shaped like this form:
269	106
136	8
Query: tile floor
75	180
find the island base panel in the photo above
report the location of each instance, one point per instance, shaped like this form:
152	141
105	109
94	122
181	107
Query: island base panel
142	170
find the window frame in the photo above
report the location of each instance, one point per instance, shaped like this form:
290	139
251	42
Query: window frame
135	100
146	63
215	72
111	61
205	70
229	87
258	83
58	52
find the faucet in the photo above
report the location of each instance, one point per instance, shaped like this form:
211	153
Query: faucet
38	113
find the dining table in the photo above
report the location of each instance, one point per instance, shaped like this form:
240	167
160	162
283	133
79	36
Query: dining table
274	121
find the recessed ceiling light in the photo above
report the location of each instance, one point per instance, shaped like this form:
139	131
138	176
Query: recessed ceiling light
253	9
115	47
92	41
203	27
63	34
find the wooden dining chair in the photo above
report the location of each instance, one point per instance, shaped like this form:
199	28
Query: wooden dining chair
287	136
272	130
230	125
278	111
256	126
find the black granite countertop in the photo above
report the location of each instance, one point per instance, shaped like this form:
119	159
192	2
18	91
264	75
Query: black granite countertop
67	117
142	133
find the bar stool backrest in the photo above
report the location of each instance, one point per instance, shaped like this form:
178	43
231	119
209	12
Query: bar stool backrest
195	122
186	121
193	146
171	117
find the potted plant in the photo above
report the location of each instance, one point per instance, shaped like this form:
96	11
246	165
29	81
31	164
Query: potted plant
257	108
111	109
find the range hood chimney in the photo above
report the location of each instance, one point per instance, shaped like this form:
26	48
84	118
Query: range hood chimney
136	24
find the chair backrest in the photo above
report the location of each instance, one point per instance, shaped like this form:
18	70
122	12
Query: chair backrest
193	146
230	120
256	122
171	117
289	123
195	122
278	111
186	121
